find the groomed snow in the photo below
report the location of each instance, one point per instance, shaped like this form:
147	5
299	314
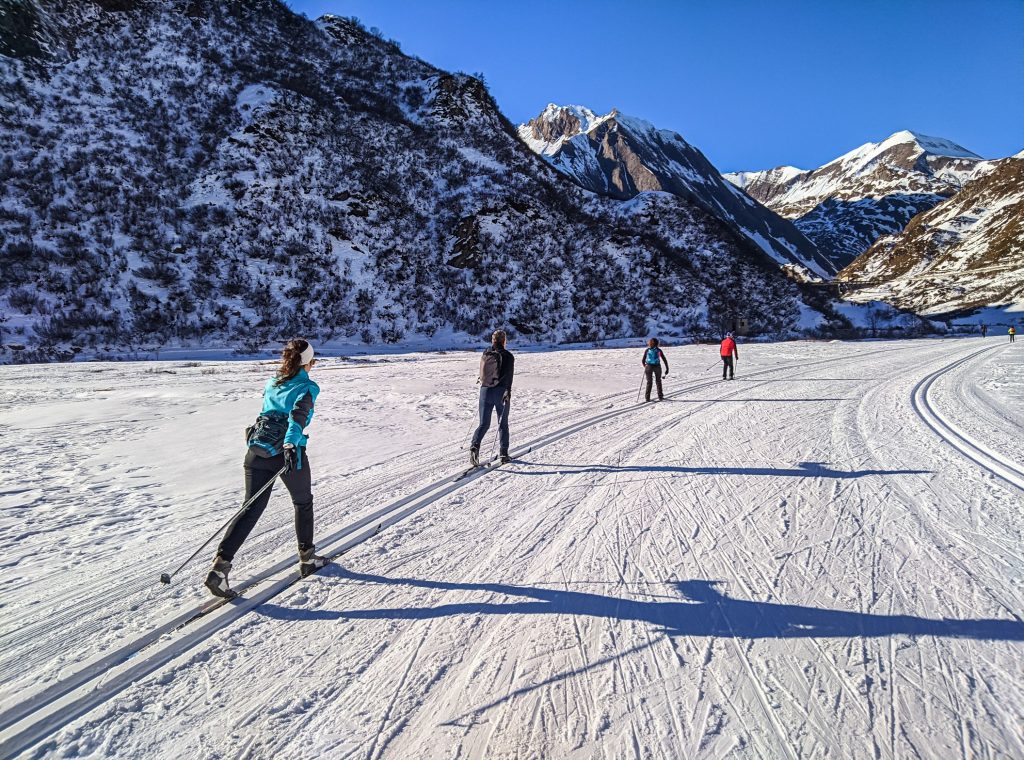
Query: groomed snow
793	564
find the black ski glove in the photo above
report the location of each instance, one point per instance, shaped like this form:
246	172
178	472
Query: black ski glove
292	459
507	397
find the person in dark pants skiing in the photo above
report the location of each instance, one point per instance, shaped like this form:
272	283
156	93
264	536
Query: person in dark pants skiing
652	359
729	352
277	442
1012	333
497	367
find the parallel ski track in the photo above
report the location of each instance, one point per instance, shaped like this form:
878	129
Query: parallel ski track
41	714
123	590
996	463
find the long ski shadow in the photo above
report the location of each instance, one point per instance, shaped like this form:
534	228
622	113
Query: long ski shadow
702	611
751	400
802	470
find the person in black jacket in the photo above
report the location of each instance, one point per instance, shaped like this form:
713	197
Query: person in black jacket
497	367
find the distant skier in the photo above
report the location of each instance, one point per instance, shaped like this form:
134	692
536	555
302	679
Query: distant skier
729	352
1013	332
497	367
984	329
276	441
652	359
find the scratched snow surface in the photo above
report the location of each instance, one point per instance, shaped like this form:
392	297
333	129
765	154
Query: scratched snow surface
792	564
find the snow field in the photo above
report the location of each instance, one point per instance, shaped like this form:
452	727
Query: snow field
761	568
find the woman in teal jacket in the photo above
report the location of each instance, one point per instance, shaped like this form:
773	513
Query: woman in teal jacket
288	401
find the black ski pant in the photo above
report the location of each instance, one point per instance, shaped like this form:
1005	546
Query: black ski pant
1012	336
492	399
258	470
727	367
653	373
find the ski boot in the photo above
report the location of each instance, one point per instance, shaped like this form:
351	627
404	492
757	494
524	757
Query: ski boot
310	561
505	458
474	456
217	580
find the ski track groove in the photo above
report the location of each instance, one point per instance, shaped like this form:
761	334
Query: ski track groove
941	536
275	534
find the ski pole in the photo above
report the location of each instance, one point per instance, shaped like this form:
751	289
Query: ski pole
166	577
640	389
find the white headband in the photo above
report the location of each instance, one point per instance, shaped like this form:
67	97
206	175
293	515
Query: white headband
306	356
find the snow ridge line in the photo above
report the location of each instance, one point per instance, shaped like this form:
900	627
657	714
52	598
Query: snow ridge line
62	702
998	464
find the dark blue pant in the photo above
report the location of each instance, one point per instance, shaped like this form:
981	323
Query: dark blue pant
491	399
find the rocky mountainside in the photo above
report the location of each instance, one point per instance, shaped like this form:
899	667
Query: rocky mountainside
965	253
874	190
622	156
225	172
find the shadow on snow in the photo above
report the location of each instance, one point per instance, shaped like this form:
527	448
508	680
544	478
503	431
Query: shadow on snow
703	611
802	470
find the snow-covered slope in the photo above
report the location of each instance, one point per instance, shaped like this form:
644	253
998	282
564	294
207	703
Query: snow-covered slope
874	190
211	173
966	252
621	156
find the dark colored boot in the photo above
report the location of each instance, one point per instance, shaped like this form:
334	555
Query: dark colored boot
217	580
310	561
505	457
474	456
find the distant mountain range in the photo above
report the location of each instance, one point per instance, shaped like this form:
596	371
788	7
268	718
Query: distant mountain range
966	252
874	190
622	156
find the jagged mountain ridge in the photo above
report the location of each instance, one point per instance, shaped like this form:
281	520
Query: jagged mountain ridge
874	190
621	156
967	252
200	171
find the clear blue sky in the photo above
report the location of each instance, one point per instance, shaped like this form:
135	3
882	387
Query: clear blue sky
752	84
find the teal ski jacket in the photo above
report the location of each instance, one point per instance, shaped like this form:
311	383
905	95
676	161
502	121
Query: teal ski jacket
295	398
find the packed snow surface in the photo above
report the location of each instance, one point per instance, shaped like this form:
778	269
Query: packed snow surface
809	561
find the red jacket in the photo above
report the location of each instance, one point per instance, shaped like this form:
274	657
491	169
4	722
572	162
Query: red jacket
729	348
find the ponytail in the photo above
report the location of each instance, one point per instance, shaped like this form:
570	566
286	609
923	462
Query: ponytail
291	360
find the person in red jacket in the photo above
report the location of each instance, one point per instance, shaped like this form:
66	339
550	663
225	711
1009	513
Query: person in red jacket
728	352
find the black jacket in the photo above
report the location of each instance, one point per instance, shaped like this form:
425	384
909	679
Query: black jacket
508	369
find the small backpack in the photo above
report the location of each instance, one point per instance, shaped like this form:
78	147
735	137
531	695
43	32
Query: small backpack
265	437
490	368
652	356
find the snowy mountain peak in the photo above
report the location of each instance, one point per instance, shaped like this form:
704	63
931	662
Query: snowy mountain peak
901	148
937	146
873	190
622	156
778	174
962	254
546	132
